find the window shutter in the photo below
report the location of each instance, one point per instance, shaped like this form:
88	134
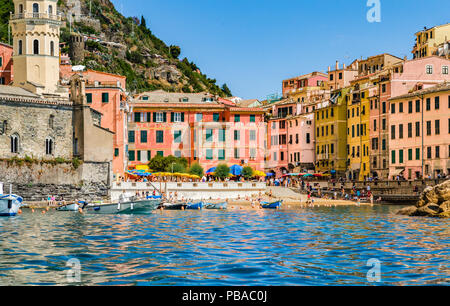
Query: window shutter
182	117
154	117
149	117
164	117
172	117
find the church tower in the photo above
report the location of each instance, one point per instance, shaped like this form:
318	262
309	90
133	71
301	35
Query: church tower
35	28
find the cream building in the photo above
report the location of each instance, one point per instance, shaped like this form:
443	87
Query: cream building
429	40
35	29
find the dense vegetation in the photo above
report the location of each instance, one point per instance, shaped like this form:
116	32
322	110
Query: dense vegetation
141	44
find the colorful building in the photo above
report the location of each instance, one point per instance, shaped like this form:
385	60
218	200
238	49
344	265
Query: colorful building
429	40
419	145
303	83
6	66
331	134
197	127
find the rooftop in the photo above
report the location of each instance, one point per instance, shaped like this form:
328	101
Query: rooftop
161	96
438	88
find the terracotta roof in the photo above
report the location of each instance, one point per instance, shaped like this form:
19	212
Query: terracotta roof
246	103
438	88
246	109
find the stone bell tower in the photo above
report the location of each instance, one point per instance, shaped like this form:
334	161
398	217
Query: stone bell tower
35	28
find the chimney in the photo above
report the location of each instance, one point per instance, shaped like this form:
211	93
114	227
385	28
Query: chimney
344	66
337	65
329	68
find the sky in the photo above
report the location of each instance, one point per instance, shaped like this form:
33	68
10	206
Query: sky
252	45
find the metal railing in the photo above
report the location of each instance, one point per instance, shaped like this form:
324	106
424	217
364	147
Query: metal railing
35	16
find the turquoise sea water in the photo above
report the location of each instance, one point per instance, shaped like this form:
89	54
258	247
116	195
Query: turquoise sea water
314	246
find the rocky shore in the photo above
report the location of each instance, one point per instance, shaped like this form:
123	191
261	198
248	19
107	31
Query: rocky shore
434	202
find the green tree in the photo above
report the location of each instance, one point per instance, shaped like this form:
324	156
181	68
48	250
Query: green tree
222	171
157	163
176	168
226	90
143	22
247	172
175	51
196	169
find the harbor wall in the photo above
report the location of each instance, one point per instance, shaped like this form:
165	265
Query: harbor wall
194	191
36	181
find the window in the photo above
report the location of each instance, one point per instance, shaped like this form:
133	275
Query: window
209	135
159	136
410	132
400	131
252	118
116	152
308	138
35	10
209	154
221	154
143	136
383	145
216	117
417	106
237	156
410	107
375	125
392	108
160	153
417	154
253	135
177	136
393	132
145	98
50	10
436	103
410	154
36	47
105	97
437	127
49	146
137	117
331	77
384	107
237	118
429	152
400	107
444	69
384	124
159	117
429	69
438	154
131	137
428	128
177	154
131	155
52	48
89	98
400	156
417	129
138	155
177	117
393	157
198	117
383	88
428	104
20	47
340	75
51	121
222	135
237	135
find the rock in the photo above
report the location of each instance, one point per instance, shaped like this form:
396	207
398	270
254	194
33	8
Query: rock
407	211
430	196
428	210
444	207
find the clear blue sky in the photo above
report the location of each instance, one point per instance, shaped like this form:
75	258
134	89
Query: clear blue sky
252	45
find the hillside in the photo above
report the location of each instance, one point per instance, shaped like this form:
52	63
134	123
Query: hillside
125	46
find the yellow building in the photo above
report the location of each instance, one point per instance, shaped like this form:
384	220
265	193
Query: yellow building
358	140
428	40
331	137
35	28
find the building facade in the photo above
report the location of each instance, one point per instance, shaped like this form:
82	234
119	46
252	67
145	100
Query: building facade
429	40
6	65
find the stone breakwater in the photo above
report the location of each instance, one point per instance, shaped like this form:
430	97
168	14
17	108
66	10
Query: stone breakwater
434	202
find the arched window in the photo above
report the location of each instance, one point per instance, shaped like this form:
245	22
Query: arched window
14	144
50	10
49	146
20	47
52	48
35	10
36	46
20	8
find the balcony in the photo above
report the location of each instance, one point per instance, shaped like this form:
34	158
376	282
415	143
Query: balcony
35	16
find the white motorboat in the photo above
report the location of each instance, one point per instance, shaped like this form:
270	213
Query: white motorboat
127	207
9	203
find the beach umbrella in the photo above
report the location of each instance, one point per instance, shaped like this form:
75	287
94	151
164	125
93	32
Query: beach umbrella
259	174
308	175
270	174
211	171
236	170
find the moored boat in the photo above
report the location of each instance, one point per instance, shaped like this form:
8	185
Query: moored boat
129	207
220	206
9	203
71	207
271	205
195	206
174	206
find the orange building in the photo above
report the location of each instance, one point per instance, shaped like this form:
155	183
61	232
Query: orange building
6	67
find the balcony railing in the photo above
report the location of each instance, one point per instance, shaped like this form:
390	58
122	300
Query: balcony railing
35	16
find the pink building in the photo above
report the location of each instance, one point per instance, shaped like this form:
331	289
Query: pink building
197	127
314	79
419	130
6	66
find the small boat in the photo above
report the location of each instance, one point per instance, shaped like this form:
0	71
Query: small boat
221	206
271	205
128	207
195	206
154	197
71	207
9	203
173	206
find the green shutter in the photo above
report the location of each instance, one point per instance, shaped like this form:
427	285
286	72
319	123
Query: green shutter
131	155
164	117
393	157
154	117
182	117
131	136
116	152
143	136
105	97
137	117
88	97
149	116
149	155
138	155
252	118
172	117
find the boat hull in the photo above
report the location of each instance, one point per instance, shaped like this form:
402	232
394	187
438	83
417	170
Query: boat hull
174	206
195	206
220	206
9	205
133	207
70	207
273	205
